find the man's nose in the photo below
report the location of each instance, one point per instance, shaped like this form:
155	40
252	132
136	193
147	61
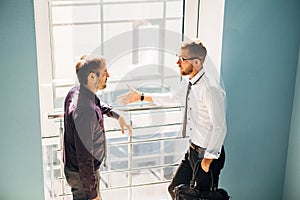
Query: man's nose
178	61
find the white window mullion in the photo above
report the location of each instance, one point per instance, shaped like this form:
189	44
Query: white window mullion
44	66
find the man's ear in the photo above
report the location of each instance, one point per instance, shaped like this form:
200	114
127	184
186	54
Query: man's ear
92	76
196	62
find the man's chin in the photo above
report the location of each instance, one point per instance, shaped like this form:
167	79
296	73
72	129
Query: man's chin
183	73
102	87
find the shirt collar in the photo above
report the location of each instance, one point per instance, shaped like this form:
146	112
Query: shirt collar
197	76
90	95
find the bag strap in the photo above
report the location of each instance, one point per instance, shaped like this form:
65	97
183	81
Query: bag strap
195	170
212	187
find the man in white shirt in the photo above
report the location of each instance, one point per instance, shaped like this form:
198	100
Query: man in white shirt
204	116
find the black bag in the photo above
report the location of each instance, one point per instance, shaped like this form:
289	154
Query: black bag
189	192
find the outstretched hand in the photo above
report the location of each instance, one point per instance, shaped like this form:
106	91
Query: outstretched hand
124	125
132	96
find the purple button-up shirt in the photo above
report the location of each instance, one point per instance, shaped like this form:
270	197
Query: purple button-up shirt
84	136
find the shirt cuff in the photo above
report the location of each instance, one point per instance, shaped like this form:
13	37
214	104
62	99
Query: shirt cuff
212	154
115	115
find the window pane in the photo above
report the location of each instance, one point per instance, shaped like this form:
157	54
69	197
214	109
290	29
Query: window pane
71	14
70	2
109	1
61	92
174	25
111	30
133	11
70	43
174	9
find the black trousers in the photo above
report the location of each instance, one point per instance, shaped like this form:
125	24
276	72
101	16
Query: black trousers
184	172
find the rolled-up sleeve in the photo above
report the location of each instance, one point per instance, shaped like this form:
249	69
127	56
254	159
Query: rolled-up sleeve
108	111
215	101
173	98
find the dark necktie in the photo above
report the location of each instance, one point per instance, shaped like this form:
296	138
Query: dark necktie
186	108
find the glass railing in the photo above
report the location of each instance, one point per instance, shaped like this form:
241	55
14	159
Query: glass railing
138	166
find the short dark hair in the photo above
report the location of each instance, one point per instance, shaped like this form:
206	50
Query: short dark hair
195	48
86	66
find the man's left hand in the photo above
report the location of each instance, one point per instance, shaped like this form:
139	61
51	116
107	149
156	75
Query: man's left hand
205	164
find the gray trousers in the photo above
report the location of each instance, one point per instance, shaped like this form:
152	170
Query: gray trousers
76	184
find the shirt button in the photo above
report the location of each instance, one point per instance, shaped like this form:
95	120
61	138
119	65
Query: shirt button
189	118
190	129
188	98
190	108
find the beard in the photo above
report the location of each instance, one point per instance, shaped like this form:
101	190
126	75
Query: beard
101	86
187	71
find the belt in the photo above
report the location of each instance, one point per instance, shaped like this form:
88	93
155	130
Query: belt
197	148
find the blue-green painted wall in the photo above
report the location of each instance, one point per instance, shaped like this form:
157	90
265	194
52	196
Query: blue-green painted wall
292	176
21	173
259	62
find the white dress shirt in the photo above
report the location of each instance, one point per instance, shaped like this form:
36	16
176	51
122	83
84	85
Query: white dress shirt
206	115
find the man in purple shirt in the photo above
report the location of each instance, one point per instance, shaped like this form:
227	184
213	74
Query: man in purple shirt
84	136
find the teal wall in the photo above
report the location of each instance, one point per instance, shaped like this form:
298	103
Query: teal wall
259	62
292	176
21	173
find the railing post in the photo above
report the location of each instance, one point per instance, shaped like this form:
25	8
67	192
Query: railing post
130	161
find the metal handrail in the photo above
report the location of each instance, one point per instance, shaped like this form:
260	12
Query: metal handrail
130	169
129	108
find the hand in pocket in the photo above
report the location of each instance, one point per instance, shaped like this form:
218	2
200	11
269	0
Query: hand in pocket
205	164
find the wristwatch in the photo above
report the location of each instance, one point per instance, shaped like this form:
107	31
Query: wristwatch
142	97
